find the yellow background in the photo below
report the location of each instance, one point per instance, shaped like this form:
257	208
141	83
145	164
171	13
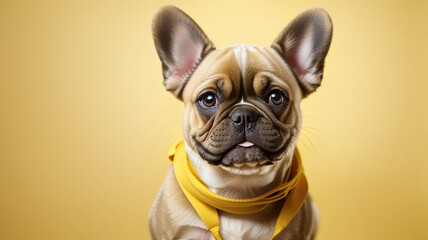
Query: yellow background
86	122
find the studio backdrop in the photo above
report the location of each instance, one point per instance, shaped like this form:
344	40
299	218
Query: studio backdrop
85	121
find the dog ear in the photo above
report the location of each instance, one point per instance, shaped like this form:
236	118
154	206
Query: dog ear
181	45
304	44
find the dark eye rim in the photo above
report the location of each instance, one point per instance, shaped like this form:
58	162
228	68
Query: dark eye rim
284	97
203	95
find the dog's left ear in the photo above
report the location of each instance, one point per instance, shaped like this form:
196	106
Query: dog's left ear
304	44
181	45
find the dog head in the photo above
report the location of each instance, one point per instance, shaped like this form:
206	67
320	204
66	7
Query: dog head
242	103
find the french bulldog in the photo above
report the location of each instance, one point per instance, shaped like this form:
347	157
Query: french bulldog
241	121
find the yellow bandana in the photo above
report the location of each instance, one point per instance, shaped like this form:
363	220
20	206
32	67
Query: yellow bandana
206	203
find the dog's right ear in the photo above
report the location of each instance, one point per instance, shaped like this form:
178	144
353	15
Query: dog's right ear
181	45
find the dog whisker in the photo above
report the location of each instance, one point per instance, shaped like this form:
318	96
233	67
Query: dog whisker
302	141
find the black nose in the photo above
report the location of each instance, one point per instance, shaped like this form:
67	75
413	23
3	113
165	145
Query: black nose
244	116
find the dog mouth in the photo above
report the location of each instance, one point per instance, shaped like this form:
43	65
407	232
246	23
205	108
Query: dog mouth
246	144
244	155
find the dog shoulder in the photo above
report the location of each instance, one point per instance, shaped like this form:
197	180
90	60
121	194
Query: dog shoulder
170	210
303	225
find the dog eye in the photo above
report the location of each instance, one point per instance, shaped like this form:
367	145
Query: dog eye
208	100
276	97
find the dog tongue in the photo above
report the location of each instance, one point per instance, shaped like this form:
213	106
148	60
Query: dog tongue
246	144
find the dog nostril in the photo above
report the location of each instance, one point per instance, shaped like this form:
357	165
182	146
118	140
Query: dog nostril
237	118
252	116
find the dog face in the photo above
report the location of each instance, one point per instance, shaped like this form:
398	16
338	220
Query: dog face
242	107
242	102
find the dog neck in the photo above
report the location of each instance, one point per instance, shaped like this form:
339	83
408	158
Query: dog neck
240	183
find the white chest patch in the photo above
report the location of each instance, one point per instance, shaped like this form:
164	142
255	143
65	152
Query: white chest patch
243	228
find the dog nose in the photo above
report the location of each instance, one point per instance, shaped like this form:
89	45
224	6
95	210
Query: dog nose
244	116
